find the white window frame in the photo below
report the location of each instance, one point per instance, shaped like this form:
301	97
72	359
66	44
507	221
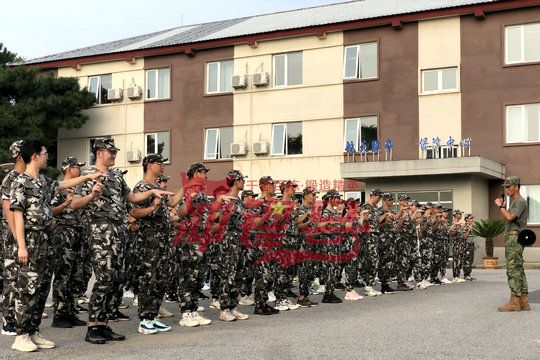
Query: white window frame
524	124
524	191
440	89
216	155
219	89
358	131
285	151
156	84
98	93
286	69
155	150
522	45
358	59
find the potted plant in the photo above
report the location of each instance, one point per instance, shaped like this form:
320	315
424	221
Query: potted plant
488	229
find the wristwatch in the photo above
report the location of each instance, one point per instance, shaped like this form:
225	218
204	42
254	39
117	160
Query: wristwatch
502	206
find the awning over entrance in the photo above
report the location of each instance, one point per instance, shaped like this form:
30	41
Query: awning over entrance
398	168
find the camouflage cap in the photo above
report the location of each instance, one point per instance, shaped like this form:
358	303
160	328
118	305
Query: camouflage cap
71	161
414	203
376	192
309	190
511	180
104	143
445	209
387	196
469	216
153	158
163	178
232	176
15	148
265	180
196	166
429	205
286	184
403	197
331	194
456	211
247	193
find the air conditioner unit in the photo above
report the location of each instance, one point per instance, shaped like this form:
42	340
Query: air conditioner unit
134	92
133	156
238	149
114	94
260	148
239	81
261	79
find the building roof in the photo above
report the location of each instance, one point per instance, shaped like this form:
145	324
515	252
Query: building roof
260	24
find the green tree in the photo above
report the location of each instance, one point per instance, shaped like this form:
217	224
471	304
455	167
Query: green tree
488	229
35	104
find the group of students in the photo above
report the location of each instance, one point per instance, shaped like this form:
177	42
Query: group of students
162	244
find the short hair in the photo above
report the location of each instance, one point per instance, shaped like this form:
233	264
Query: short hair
30	148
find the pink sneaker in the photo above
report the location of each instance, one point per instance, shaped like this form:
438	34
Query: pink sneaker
353	296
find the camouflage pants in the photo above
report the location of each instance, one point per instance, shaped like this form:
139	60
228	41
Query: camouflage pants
189	284
173	254
133	246
468	258
307	272
213	255
65	244
387	257
152	258
10	276
413	256
103	244
369	258
117	294
458	254
83	264
513	250
3	229
245	274
425	260
403	257
445	253
33	283
229	250
436	258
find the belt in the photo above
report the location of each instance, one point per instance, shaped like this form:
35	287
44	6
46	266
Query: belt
512	232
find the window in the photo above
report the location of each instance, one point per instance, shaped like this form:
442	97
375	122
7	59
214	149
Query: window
219	76
217	144
91	157
523	123
439	80
288	69
158	84
287	139
360	129
521	43
532	194
158	143
442	197
98	85
361	61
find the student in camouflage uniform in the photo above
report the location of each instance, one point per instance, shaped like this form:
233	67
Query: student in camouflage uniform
369	253
107	215
458	245
66	242
405	231
9	245
445	250
387	239
516	220
425	236
246	273
416	218
30	200
438	245
468	256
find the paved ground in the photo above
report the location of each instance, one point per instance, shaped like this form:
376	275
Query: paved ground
457	321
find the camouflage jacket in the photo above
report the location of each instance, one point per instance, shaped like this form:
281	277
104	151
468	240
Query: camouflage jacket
373	218
69	216
33	198
6	189
160	216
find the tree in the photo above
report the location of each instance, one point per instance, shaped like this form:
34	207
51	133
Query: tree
7	56
35	104
488	229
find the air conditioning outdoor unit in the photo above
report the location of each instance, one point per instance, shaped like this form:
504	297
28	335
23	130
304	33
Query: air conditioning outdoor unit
114	94
260	148
261	79
238	149
133	156
134	92
239	81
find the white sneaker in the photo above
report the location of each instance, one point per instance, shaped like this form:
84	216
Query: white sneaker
164	313
200	319
206	286
321	289
146	327
238	315
429	283
369	291
460	280
290	305
136	301
49	304
24	343
424	284
83	300
271	296
41	342
187	320
246	301
411	278
444	280
201	309
226	316
353	296
281	305
159	326
214	304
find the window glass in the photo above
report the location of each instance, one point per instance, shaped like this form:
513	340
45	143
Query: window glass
449	79
213	83
211	145
533	121
294	138
93	84
226	73
151	91
163	144
351	62
164	78
106	84
351	132
294	68
532	42
533	198
514	126
368	60
279	69
225	141
278	139
513	44
368	130
431	80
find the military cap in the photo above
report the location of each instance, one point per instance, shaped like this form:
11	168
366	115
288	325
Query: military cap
309	190
440	207
387	196
469	216
196	166
429	205
286	184
71	161
232	176
445	209
153	158
414	203
247	193
511	180
15	148
331	194
266	180
163	178
403	197
457	211
376	192
104	143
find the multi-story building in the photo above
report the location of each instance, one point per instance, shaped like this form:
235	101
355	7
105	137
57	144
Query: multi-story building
447	90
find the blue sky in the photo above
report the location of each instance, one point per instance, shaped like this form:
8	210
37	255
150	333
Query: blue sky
36	28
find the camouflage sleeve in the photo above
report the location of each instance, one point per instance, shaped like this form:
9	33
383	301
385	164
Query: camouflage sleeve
18	196
142	187
51	184
57	200
85	188
5	190
125	188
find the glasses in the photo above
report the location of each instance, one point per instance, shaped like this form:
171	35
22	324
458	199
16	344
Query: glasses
112	152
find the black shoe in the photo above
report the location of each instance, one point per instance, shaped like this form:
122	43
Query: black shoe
172	298
386	289
79	309
109	334
340	286
8	328
94	336
359	284
202	296
290	294
272	309
436	281
119	316
404	287
263	310
75	321
305	303
62	322
331	298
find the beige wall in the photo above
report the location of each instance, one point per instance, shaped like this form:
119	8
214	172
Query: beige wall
124	120
439	47
318	103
